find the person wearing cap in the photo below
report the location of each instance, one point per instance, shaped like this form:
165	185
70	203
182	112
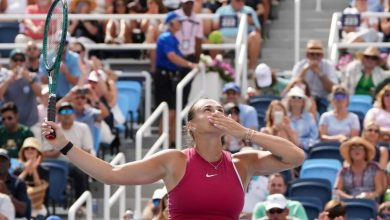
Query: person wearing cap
266	82
231	143
33	174
276	207
339	124
319	73
32	54
277	186
190	35
22	87
228	23
248	115
12	133
171	67
14	187
302	121
85	30
33	28
153	207
203	181
362	178
363	75
69	71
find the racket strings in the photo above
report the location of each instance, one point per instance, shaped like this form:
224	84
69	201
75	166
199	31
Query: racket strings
54	36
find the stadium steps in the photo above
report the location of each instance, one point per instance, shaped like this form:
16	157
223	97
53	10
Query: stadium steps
278	49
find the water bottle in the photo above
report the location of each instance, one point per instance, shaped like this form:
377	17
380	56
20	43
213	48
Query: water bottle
387	194
95	207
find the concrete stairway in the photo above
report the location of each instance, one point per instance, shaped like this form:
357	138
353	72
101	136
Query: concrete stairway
278	49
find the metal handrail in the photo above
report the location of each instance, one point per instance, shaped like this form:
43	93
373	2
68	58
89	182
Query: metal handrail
162	140
119	194
86	197
180	112
297	29
241	41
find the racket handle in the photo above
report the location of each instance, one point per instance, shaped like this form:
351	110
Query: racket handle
51	114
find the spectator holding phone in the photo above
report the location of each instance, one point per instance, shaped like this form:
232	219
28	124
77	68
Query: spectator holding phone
278	122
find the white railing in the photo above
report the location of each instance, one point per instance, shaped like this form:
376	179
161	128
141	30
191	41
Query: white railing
162	140
180	112
148	90
241	54
119	194
334	43
297	30
86	197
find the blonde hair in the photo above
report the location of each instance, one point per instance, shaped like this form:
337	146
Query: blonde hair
380	96
268	115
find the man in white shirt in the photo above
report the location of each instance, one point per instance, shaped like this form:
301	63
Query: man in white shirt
7	209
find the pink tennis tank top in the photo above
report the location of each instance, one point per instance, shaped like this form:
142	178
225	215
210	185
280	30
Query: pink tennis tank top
205	192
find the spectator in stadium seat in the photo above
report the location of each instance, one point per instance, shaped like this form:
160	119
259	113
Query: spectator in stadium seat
339	124
380	113
361	178
301	83
32	55
87	31
228	26
22	87
276	206
277	186
230	143
278	122
191	34
319	73
77	132
34	175
153	207
69	71
171	68
33	28
12	134
118	31
301	120
14	187
152	27
362	76
334	210
371	133
248	115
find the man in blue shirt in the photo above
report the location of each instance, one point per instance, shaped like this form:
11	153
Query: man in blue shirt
228	23
171	68
69	71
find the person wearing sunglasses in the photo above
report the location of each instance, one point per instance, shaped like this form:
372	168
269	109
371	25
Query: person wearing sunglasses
276	207
371	133
22	87
12	133
338	124
380	113
319	73
364	74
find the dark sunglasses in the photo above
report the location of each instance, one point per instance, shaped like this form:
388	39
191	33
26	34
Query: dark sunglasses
18	59
314	54
296	98
156	202
275	211
373	130
9	118
340	96
375	58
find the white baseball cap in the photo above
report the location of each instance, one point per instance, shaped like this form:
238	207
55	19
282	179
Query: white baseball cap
263	75
159	193
275	201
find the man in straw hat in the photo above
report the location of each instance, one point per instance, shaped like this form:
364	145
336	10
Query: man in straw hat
364	74
319	73
358	154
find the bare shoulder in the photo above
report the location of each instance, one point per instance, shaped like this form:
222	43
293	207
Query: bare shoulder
170	154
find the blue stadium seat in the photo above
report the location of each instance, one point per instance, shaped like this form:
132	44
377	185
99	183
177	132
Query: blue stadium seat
360	98
8	32
320	168
325	150
308	199
312	209
321	188
359	107
361	208
129	98
261	103
58	176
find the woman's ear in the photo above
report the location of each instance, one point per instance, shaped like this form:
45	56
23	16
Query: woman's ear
191	126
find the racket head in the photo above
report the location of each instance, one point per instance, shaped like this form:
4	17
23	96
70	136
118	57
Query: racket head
54	38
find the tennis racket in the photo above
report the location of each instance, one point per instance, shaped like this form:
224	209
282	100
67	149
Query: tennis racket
56	26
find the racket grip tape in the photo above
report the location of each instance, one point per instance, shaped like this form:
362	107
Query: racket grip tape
51	114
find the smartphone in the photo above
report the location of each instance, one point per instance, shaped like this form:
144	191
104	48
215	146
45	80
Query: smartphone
278	117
